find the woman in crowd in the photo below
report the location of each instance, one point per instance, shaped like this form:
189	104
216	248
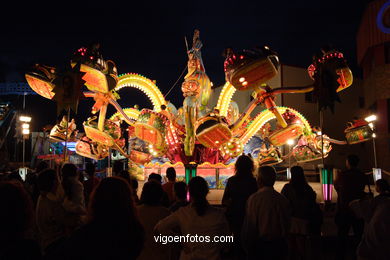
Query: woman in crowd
92	181
238	189
133	184
306	215
150	212
74	202
16	219
180	196
113	230
52	221
198	218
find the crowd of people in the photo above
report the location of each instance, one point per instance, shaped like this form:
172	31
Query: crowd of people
67	215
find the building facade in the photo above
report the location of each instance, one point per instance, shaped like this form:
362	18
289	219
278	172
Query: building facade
334	123
373	51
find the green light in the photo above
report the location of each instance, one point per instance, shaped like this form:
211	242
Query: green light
190	171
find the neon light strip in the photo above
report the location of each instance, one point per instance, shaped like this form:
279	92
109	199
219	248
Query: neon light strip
380	20
130	112
225	96
265	116
145	85
180	164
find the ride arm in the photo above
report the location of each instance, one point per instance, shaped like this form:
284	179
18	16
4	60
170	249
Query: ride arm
334	141
244	116
289	90
127	119
115	104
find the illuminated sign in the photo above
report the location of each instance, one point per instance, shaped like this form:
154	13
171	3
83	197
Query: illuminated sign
71	146
383	18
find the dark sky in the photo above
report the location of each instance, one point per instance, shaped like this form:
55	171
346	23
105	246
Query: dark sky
148	37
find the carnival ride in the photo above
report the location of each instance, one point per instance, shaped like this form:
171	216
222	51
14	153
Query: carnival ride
195	133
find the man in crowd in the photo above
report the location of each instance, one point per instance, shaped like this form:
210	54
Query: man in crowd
168	187
349	185
267	220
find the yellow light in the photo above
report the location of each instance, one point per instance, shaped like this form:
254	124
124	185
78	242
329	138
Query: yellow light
25	126
242	79
145	85
371	118
245	83
266	116
224	98
371	125
26	131
26	119
290	141
373	135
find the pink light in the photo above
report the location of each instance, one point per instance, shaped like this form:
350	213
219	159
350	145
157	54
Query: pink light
327	191
324	191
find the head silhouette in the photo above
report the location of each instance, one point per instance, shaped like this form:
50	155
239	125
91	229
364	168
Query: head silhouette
352	161
244	166
155	177
112	201
180	189
90	169
199	189
266	176
152	193
47	180
171	174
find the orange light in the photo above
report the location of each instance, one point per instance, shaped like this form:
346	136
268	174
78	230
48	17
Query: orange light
245	83
242	79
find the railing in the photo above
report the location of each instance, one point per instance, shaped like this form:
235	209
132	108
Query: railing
15	88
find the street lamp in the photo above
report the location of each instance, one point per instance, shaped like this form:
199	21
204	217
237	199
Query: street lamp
290	142
370	118
376	172
25	120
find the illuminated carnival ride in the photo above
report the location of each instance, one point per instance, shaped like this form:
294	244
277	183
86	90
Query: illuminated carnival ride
194	133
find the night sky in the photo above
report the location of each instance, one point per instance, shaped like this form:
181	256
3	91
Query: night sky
148	37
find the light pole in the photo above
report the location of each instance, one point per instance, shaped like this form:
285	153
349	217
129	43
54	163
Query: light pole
290	142
25	120
376	172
